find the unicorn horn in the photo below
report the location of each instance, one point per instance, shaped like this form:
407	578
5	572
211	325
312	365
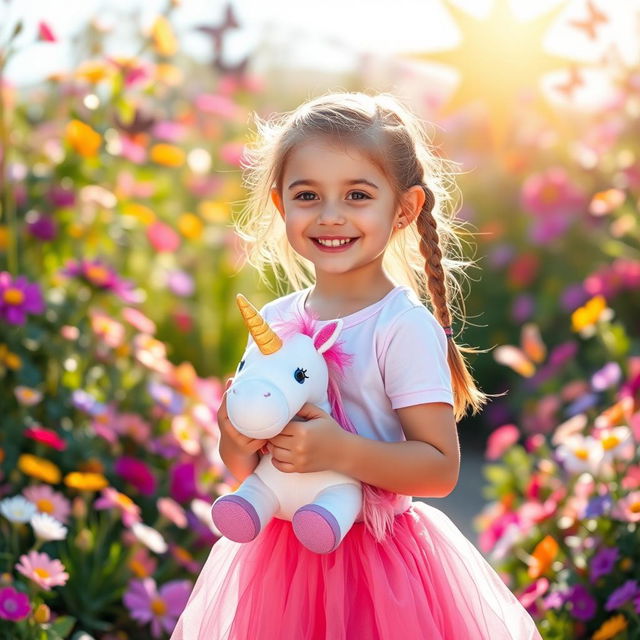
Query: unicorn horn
265	337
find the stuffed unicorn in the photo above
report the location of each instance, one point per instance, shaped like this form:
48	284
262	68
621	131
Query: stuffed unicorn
273	380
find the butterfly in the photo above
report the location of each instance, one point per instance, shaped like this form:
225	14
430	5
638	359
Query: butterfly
525	358
590	24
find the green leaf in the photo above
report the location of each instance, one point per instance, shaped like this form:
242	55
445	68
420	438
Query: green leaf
63	625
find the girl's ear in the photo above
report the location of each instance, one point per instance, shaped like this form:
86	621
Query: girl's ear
326	337
277	201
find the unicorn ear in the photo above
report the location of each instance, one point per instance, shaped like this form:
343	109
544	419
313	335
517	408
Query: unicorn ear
325	338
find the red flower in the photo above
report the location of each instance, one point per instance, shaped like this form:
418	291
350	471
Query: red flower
46	436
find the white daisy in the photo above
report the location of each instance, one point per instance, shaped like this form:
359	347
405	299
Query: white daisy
149	537
46	527
17	509
580	453
616	443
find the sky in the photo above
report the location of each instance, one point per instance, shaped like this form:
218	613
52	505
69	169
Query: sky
327	35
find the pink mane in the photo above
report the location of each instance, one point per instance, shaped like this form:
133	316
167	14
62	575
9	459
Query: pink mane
378	504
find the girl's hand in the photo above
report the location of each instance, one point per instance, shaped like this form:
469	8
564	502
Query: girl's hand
244	444
302	447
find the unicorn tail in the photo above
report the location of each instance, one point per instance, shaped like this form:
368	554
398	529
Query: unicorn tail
378	510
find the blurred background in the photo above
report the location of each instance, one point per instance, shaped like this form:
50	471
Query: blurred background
122	129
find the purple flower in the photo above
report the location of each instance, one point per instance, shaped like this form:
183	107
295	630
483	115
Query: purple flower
597	506
572	297
18	297
583	403
169	399
555	600
180	283
583	604
606	377
41	226
61	197
14	605
622	595
101	276
603	561
84	401
523	308
137	473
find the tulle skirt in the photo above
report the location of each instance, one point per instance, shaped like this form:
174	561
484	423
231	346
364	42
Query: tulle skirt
426	581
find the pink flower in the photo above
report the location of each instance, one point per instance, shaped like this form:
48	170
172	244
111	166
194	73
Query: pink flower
161	608
138	320
48	501
112	499
136	473
47	437
44	571
163	237
14	605
172	511
232	153
217	104
18	297
500	440
628	508
45	34
133	426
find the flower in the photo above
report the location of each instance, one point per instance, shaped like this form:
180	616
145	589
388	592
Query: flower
47	527
17	509
628	508
111	498
14	605
580	453
597	506
82	138
622	595
542	556
39	468
102	277
138	320
85	481
583	604
136	473
500	440
611	628
40	568
603	561
48	501
172	511
47	437
18	297
142	563
149	537
27	396
159	607
616	443
162	237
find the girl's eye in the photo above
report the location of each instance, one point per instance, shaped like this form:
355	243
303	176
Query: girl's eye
300	375
360	193
304	193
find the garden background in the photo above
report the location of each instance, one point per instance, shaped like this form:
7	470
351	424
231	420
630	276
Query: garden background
122	130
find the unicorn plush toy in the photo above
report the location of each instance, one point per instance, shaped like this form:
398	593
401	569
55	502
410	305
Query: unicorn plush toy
273	380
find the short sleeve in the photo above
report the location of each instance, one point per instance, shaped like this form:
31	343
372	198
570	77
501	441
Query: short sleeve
414	360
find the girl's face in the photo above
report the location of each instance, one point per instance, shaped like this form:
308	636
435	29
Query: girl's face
338	207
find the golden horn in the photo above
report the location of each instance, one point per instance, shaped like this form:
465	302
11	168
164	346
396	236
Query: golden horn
265	337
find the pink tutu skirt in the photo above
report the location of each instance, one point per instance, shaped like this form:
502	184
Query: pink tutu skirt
427	580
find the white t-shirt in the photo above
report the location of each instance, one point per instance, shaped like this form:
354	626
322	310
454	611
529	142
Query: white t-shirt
399	358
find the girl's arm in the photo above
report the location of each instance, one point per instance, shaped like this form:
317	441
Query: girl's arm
426	465
240	464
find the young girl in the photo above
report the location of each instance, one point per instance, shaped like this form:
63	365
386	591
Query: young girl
349	203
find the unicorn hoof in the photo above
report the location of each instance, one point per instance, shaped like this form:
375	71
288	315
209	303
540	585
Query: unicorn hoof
236	518
316	528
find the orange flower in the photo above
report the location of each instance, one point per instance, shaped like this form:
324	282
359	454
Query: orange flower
85	481
611	628
93	71
167	154
588	315
190	226
543	555
83	139
39	468
164	40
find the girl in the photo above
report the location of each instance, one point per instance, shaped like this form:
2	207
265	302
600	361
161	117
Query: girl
348	203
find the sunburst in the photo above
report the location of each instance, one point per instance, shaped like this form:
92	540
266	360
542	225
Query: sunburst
499	58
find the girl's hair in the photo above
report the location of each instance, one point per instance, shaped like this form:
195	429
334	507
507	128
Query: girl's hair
420	255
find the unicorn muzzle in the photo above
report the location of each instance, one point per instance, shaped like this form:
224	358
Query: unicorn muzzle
256	408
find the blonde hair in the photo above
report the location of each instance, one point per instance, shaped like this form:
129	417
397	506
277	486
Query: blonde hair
424	255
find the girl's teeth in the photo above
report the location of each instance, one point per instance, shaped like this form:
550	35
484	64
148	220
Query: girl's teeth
333	243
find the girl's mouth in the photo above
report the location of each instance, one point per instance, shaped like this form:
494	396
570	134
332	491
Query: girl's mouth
333	245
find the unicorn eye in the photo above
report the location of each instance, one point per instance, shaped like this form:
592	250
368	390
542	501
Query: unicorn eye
241	365
300	375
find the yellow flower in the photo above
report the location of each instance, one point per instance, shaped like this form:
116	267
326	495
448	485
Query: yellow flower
82	138
85	481
610	628
164	40
167	154
214	211
139	211
93	71
588	314
168	74
39	468
190	226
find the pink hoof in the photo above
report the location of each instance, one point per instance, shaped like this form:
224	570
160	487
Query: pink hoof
236	518
316	528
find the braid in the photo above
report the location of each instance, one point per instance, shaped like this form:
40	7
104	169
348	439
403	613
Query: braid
430	250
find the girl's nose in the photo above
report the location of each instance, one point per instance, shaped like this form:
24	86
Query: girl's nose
331	215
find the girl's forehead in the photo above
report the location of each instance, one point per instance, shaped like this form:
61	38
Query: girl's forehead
323	160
